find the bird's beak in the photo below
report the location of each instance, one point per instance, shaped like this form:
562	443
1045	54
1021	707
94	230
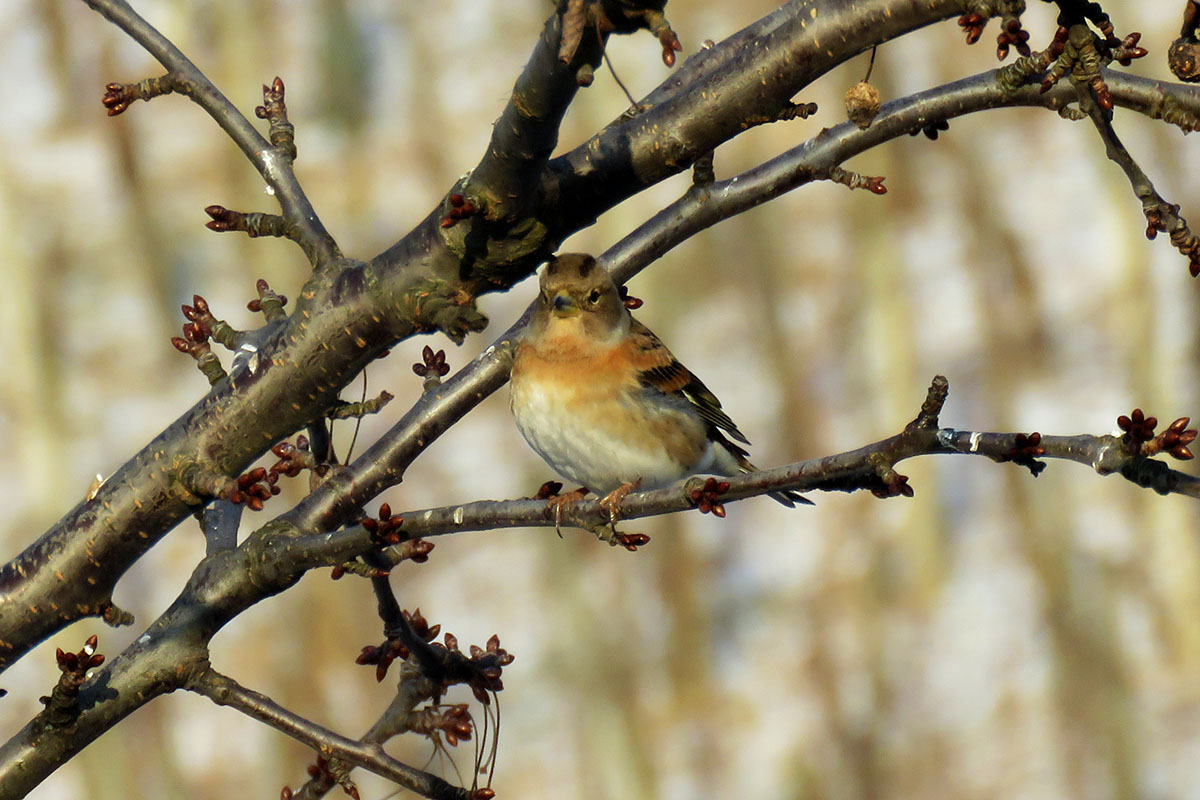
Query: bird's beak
563	305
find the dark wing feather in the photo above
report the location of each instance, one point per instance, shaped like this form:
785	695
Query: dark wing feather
662	371
658	369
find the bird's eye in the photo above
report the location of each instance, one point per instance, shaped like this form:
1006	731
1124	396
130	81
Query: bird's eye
594	297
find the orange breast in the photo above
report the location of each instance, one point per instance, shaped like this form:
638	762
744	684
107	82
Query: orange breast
599	390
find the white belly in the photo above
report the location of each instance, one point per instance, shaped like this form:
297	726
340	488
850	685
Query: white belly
586	448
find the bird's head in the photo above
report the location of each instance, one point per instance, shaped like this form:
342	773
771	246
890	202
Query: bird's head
575	290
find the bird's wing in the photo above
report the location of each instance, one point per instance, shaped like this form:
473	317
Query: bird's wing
659	369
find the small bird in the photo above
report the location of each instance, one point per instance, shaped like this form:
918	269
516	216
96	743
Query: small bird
605	403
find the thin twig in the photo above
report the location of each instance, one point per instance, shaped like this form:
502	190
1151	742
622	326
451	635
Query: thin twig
276	171
871	63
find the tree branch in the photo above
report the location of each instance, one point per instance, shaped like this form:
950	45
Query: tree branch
849	471
369	755
344	320
383	465
276	170
175	647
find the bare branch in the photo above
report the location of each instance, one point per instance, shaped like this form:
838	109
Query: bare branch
850	471
340	325
701	207
1160	214
369	755
275	168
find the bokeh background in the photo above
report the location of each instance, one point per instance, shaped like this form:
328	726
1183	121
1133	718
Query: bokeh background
994	636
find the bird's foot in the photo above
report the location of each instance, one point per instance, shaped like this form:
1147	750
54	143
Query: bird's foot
550	493
611	502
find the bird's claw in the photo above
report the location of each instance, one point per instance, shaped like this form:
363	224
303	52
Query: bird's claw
560	501
611	502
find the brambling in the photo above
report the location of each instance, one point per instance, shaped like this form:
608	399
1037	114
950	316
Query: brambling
602	400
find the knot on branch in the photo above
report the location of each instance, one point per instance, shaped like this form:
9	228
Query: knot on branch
196	483
497	251
433	305
496	241
1080	52
358	410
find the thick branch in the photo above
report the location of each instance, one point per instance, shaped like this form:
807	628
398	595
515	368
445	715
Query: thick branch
384	464
719	92
341	322
344	320
175	647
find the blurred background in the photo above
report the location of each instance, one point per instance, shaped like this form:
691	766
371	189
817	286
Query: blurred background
994	636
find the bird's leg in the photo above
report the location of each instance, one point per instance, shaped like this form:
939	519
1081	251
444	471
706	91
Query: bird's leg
611	502
559	501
